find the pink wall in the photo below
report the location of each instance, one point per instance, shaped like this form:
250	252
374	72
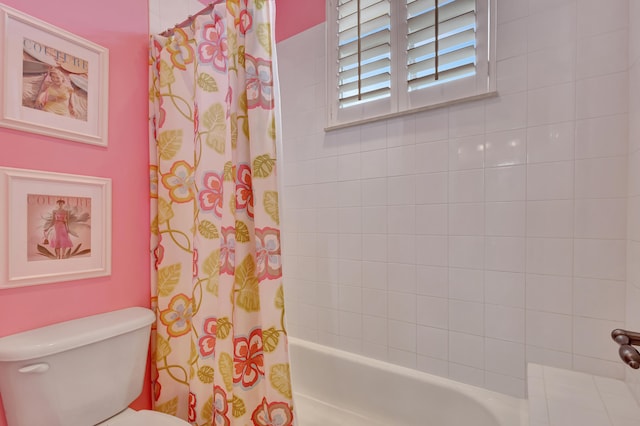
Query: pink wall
124	161
295	16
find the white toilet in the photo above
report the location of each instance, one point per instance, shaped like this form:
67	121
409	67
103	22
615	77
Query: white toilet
82	372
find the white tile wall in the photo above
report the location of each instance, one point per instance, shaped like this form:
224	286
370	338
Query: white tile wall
498	226
632	318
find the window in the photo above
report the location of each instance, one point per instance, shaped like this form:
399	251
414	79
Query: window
386	57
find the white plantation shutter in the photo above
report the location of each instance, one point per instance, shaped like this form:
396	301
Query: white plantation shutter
364	50
387	57
441	41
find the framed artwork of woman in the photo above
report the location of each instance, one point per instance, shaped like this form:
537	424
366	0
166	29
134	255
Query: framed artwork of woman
56	227
52	82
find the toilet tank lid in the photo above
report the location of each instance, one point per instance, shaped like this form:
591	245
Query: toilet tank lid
71	334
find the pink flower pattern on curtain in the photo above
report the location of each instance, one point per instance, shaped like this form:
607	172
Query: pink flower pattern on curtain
219	346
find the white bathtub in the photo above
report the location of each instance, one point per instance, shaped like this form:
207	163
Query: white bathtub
337	388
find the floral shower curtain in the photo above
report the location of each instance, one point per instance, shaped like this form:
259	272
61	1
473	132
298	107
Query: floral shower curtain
219	345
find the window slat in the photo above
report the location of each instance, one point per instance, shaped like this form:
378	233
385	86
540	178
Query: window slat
447	61
444	76
427	20
421	22
417	39
350	7
374	68
380	8
448	28
456	8
367	56
367	97
418	7
454	42
367	43
370	84
446	9
383	23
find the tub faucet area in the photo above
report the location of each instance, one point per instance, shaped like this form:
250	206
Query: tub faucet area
627	340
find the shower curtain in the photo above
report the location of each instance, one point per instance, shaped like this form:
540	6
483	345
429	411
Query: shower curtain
219	345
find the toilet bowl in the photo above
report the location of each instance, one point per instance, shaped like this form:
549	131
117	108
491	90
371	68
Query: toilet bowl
81	372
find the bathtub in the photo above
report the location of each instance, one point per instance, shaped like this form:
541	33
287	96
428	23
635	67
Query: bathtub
337	388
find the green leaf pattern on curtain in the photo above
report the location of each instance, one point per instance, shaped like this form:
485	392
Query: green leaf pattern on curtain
220	344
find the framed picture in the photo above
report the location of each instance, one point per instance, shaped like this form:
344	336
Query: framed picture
52	82
53	227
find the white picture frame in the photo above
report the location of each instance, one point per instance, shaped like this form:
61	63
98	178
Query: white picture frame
52	82
53	227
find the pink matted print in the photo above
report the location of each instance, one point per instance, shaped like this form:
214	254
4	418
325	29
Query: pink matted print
58	227
55	227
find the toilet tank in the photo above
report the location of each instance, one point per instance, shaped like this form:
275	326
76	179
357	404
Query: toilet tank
75	373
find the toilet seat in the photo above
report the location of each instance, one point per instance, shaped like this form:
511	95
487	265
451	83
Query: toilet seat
143	418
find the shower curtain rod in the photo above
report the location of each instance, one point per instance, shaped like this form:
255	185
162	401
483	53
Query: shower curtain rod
189	20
